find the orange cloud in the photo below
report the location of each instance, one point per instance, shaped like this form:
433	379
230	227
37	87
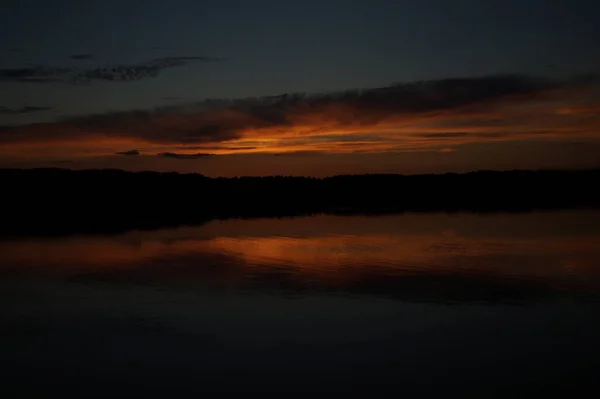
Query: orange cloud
435	115
592	109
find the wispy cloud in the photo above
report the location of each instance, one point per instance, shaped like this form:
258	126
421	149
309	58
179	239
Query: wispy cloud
444	135
129	153
183	156
112	73
208	147
588	109
126	73
82	56
434	114
36	74
23	110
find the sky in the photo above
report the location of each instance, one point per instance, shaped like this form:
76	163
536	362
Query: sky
228	88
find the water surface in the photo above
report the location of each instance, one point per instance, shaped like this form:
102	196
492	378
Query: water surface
465	304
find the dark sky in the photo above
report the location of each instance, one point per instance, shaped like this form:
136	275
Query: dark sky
93	59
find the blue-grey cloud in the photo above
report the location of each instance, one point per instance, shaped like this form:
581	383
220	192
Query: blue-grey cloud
82	56
36	74
23	110
112	73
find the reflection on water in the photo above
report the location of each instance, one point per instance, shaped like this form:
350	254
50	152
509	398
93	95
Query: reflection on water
328	302
400	256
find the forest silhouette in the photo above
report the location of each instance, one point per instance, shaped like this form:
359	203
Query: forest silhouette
57	201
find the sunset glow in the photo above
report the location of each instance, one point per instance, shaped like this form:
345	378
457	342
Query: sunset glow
352	125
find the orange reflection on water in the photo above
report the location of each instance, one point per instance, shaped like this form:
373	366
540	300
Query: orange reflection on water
332	248
443	252
561	247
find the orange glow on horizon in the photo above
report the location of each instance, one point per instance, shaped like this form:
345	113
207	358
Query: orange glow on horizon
329	129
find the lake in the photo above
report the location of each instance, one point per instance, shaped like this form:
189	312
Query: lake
466	305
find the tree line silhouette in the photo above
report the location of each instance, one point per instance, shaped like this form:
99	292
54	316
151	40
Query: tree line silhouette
57	201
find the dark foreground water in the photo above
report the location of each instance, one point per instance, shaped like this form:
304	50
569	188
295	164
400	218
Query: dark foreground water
500	305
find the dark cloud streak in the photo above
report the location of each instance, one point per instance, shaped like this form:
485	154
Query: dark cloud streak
212	148
129	153
112	73
82	57
36	74
23	110
184	156
444	135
